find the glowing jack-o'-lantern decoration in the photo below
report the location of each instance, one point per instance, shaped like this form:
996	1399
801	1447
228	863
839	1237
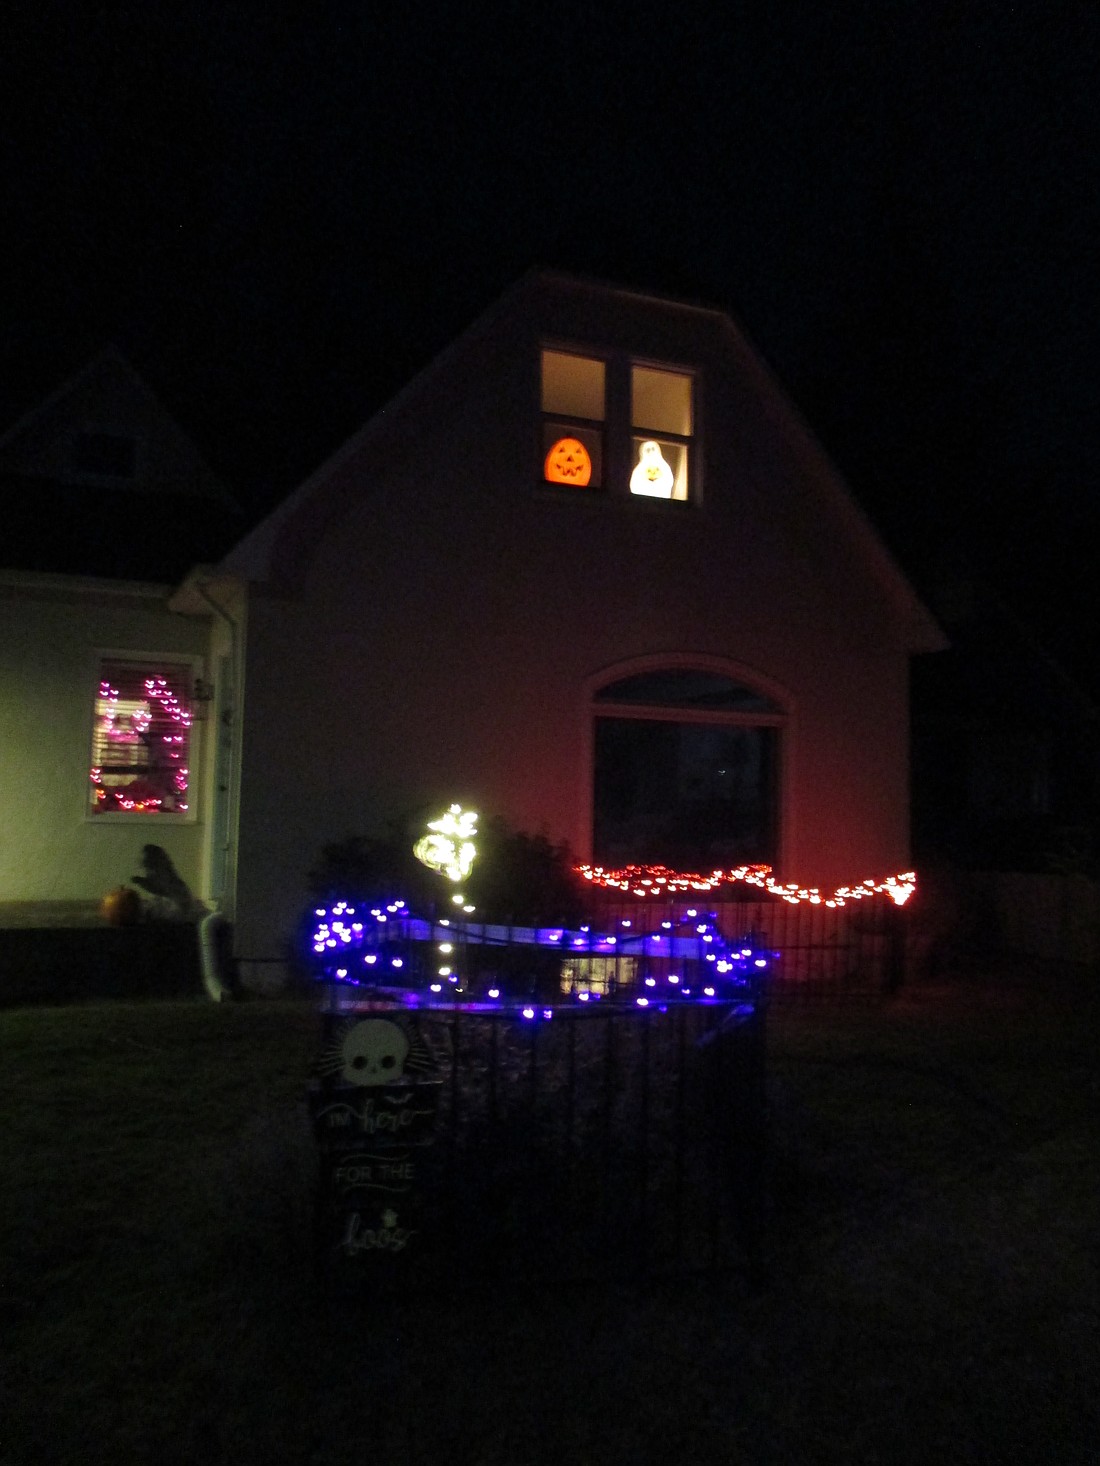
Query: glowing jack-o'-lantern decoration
652	474
568	463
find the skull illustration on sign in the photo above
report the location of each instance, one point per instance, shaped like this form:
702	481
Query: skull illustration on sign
374	1052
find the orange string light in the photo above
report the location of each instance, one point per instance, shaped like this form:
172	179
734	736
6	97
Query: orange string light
659	880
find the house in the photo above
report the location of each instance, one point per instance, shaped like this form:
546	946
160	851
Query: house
1005	750
1006	791
589	571
108	504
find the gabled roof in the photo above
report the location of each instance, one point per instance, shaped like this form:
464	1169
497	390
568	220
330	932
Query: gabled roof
260	554
99	479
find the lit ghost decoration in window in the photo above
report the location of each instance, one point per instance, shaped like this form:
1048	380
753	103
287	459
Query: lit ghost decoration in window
568	463
652	474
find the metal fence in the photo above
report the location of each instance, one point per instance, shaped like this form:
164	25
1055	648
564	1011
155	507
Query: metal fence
577	1103
815	950
593	1142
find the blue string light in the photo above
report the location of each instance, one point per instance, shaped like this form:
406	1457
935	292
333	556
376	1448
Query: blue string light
397	954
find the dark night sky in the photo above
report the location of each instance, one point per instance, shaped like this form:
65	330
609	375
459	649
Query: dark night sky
280	211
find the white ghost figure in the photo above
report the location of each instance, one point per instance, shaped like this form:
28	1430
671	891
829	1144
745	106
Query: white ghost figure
374	1052
652	474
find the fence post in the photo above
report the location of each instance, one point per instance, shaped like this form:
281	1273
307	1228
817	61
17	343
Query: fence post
895	974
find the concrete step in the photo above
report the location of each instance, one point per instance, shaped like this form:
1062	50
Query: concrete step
74	964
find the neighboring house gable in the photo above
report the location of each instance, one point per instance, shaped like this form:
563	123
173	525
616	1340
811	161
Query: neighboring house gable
101	480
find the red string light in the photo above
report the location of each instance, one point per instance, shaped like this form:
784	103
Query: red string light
659	880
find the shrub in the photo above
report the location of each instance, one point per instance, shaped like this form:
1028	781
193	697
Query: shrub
518	879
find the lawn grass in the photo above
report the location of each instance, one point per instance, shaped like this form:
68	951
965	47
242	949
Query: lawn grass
931	1291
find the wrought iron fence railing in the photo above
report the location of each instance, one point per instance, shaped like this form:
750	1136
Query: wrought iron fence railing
575	1102
595	1141
813	950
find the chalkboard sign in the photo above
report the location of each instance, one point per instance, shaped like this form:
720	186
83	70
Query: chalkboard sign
374	1107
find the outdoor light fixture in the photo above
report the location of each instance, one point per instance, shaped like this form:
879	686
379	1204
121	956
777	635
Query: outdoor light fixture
449	846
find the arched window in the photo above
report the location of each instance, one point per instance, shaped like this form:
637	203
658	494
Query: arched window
686	770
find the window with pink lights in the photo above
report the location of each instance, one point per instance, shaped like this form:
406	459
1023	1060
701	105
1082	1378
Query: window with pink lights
142	738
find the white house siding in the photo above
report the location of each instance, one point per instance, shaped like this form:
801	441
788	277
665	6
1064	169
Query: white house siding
50	633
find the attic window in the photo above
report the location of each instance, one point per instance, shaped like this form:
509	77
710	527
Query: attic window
617	424
105	455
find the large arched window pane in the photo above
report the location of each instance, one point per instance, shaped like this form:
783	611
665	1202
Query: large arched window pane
687	795
686	771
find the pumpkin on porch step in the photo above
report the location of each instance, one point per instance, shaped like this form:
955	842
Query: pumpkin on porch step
121	907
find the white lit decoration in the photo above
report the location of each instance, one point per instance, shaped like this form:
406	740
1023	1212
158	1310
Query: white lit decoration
652	474
449	848
658	880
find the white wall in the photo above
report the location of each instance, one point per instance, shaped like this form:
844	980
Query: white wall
438	617
50	632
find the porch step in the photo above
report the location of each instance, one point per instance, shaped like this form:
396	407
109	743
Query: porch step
75	964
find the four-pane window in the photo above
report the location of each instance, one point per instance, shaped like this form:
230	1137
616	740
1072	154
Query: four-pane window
587	444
